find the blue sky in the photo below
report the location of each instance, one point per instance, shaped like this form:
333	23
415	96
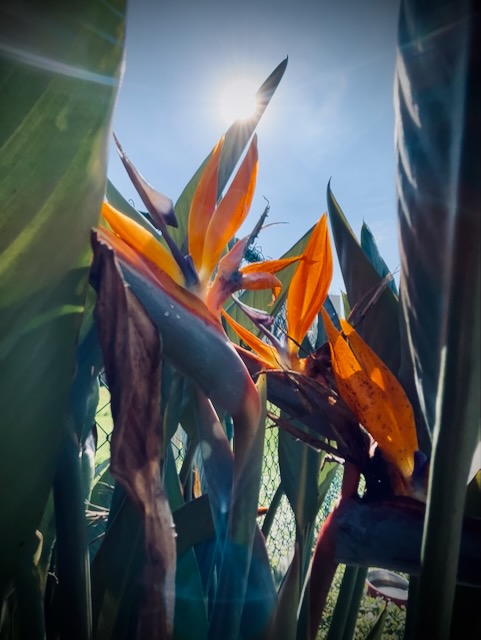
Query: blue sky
331	117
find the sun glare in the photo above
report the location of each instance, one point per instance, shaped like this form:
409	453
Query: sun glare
238	100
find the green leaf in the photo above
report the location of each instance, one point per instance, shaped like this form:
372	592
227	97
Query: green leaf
236	139
218	461
190	615
272	511
321	337
73	562
59	71
369	246
240	132
299	467
347	604
29	594
116	572
182	207
356	597
241	531
190	618
345	304
438	168
472	505
284	622
380	328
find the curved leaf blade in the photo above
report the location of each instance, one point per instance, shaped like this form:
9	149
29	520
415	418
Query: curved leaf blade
59	73
236	139
369	246
380	328
438	166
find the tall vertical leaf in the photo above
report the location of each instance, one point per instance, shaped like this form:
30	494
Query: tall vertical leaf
236	139
380	327
438	168
59	72
370	248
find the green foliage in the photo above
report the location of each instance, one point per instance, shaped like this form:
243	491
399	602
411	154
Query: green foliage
175	376
53	137
361	278
368	612
439	224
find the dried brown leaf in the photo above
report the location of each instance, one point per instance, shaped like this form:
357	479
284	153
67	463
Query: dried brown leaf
132	357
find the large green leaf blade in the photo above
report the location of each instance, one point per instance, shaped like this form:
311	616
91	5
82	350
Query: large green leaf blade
236	139
241	528
380	327
299	468
59	74
438	168
370	248
240	131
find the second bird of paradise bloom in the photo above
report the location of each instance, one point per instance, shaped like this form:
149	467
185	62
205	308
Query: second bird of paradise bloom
211	226
307	293
363	381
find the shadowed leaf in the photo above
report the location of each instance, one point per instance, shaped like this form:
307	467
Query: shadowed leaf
438	167
59	72
369	246
284	622
380	328
236	139
241	528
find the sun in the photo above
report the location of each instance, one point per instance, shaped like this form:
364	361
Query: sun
238	100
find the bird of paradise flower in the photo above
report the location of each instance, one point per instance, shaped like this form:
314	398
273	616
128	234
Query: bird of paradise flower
207	276
363	381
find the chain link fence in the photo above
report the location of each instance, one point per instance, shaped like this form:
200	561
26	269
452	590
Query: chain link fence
281	537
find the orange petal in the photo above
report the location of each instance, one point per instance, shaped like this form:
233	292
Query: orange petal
371	404
231	212
309	285
158	277
203	206
380	375
229	278
269	266
268	354
257	281
142	241
223	286
232	260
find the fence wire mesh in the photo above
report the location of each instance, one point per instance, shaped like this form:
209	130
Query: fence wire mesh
281	537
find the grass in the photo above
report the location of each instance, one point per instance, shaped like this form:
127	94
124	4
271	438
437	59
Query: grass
369	611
